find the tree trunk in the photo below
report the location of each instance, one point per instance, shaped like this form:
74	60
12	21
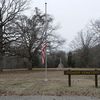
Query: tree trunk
30	64
1	35
1	42
29	68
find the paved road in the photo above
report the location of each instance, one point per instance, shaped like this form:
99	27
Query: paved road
47	98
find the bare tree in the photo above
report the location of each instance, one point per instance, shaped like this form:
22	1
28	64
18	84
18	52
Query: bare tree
87	45
32	35
82	43
8	11
84	39
96	29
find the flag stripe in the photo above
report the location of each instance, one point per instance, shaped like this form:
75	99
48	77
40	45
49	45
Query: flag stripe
44	53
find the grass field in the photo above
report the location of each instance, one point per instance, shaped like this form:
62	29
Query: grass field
32	83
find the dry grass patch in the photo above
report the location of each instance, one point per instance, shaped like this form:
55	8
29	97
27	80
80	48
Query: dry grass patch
32	83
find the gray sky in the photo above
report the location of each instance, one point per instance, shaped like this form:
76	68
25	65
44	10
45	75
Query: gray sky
72	15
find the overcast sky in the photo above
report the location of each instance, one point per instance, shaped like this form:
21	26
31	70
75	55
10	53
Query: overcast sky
72	15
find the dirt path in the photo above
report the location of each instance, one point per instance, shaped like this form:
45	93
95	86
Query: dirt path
47	98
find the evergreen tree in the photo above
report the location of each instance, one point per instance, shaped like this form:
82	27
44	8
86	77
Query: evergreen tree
70	63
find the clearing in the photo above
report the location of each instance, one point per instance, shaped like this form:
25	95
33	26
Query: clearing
32	83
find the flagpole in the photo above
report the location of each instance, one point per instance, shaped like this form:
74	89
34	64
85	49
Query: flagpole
46	79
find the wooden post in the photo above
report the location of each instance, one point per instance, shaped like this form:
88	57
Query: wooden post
69	79
96	79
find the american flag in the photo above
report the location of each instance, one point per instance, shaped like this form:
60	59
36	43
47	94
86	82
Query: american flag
43	52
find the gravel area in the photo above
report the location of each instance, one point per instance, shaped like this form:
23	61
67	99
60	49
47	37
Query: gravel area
47	98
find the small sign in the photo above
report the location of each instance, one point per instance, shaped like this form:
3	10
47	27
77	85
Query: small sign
82	72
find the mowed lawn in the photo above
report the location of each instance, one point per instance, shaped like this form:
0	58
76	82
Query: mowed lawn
32	83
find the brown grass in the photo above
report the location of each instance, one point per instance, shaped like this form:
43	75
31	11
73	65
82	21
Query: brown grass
32	83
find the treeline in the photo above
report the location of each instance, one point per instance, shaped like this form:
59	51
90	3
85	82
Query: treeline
86	46
53	60
23	36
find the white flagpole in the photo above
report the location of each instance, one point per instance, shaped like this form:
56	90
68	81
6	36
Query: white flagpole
46	79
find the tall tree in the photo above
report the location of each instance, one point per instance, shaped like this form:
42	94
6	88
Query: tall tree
8	11
83	42
32	34
70	63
